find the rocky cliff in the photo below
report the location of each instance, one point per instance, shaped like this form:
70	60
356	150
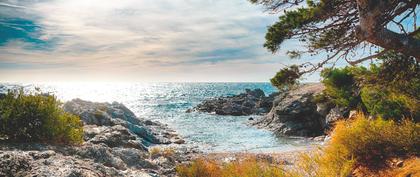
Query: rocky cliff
296	113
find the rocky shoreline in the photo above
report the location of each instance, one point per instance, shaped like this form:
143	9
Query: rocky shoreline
116	143
252	102
290	113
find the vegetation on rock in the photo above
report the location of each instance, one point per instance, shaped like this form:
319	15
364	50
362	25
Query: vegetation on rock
286	78
37	118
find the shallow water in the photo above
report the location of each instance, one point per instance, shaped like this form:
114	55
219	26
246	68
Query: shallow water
167	103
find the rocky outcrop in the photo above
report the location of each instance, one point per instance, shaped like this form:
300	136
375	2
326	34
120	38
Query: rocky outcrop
248	103
295	113
116	143
335	114
106	115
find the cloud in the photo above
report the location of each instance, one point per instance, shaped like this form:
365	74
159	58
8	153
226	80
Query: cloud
132	38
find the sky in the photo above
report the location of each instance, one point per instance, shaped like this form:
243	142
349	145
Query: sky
136	41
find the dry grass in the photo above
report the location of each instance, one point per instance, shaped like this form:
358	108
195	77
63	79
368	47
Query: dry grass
158	151
355	144
409	168
361	143
246	167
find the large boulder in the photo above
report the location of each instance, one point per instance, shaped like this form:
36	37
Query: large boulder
250	102
294	113
113	114
115	136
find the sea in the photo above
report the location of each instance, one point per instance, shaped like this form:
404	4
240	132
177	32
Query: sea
168	102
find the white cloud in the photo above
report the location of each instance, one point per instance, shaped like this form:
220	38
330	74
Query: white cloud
144	40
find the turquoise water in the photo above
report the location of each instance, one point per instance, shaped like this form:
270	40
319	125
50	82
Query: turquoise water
167	103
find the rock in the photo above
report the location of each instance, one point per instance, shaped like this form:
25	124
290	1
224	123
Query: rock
101	113
13	164
115	144
319	138
178	141
21	163
294	113
335	114
327	138
400	163
251	118
352	114
250	102
117	136
109	115
323	108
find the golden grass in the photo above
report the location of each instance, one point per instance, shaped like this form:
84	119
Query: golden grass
246	167
361	143
355	144
159	151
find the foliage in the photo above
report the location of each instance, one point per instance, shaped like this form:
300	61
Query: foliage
286	78
386	104
247	167
341	87
381	90
361	143
341	28
37	118
399	73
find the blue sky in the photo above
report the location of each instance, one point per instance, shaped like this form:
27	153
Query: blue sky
135	40
139	41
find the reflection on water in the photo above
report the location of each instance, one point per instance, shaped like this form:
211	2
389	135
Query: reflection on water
167	102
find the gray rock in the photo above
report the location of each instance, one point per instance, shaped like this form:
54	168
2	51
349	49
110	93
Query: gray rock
335	114
352	114
106	114
115	144
117	136
250	102
13	164
294	113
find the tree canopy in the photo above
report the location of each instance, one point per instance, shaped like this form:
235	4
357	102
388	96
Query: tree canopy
341	28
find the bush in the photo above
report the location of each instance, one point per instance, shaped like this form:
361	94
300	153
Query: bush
386	104
247	167
376	91
37	118
361	143
286	78
341	86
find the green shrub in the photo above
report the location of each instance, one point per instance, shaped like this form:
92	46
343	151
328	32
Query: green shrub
386	104
341	86
378	91
37	118
286	78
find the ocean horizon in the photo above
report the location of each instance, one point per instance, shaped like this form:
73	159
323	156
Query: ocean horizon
167	103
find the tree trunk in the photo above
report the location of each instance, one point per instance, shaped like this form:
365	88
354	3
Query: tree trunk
372	30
